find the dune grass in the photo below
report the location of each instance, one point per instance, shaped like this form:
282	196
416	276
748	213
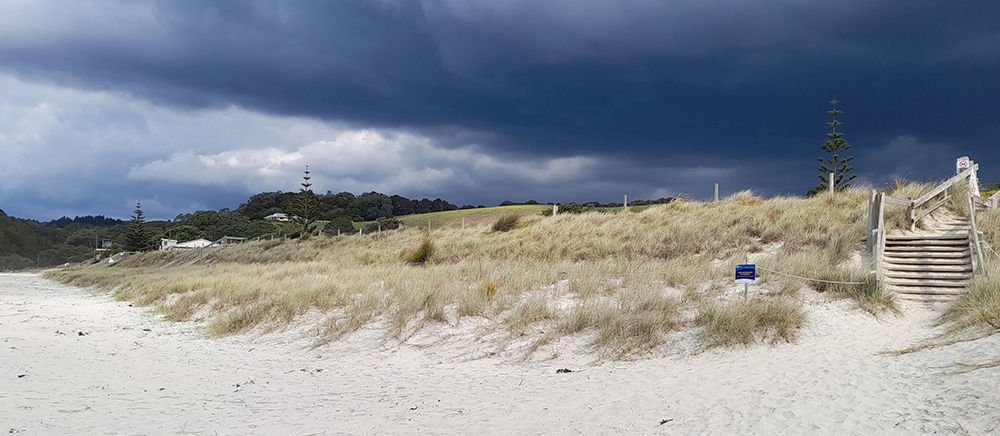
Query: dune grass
626	277
979	307
745	322
862	287
506	223
473	217
422	253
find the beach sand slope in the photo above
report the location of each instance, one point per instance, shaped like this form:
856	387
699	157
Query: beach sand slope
73	362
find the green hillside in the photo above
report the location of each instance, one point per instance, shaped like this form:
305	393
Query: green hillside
473	217
26	244
483	216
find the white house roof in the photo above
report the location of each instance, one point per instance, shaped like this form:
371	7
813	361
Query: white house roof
197	243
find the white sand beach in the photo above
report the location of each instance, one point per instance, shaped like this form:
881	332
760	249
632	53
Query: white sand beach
74	362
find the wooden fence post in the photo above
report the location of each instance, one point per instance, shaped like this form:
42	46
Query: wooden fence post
716	192
831	183
871	219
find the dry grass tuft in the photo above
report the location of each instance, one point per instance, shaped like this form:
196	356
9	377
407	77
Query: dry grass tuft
979	306
423	253
506	222
862	287
642	318
744	322
532	310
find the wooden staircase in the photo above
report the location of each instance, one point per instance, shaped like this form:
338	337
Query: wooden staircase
931	265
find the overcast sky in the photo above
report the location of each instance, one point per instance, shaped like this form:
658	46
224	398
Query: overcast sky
193	105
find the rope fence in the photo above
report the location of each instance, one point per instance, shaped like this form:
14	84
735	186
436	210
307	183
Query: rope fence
809	279
567	273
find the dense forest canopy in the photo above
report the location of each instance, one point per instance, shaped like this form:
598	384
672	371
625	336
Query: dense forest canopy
96	221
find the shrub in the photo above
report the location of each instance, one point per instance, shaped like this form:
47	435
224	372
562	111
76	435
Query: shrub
267	245
860	286
382	224
746	198
979	306
423	253
506	222
743	322
634	324
534	309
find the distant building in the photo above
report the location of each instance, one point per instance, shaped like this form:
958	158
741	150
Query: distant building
172	244
276	217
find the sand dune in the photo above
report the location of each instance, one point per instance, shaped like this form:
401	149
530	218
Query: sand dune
78	363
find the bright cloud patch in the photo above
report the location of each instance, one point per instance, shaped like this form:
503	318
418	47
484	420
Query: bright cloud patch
363	160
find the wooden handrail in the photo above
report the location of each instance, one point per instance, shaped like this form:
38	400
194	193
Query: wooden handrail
877	219
942	187
982	201
977	251
898	202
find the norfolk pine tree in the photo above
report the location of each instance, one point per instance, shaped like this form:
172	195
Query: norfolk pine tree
834	144
136	237
304	207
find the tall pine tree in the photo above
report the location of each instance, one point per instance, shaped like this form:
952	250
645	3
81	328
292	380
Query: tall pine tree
834	145
136	237
304	207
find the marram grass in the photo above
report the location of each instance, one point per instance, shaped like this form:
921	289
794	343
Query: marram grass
628	277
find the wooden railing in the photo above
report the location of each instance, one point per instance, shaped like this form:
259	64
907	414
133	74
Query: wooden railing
978	265
876	230
919	208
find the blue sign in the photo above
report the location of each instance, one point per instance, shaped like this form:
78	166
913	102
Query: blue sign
746	273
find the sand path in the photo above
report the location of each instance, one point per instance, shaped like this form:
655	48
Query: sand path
132	374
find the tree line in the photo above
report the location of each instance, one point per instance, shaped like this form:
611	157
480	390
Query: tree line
29	243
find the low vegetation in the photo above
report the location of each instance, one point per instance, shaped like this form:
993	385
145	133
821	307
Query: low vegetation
506	223
745	322
423	253
979	307
862	287
628	281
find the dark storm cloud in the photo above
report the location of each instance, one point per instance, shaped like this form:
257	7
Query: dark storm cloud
671	84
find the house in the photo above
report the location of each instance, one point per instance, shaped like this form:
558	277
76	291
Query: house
276	217
172	244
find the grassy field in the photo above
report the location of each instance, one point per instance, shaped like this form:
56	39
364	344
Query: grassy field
478	217
629	280
473	217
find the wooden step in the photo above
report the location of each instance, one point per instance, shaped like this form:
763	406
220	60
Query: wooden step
927	248
957	236
918	290
926	243
963	268
926	262
899	281
894	277
923	255
936	299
